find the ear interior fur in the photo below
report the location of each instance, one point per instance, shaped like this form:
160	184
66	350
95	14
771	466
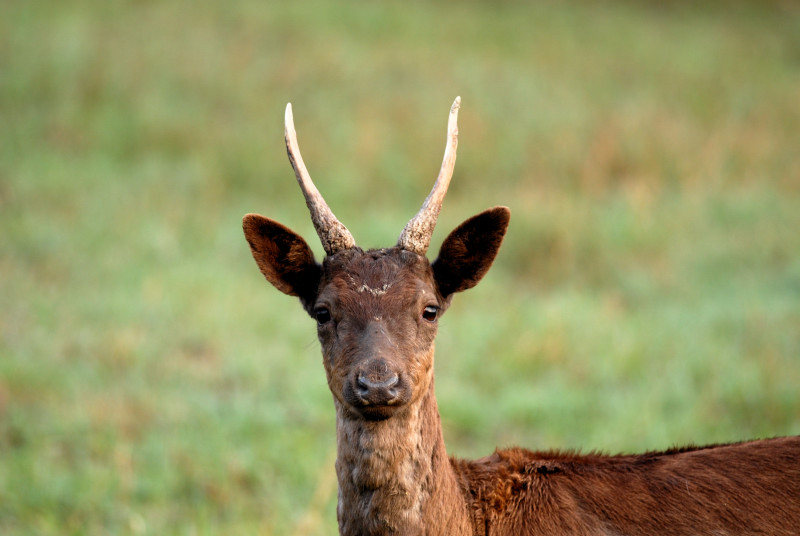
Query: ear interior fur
283	257
468	252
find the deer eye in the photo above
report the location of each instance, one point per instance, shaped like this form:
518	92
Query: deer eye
322	314
430	313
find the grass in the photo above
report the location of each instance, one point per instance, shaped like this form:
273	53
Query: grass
648	293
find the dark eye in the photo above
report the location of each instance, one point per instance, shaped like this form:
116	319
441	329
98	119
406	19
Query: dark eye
430	313
322	314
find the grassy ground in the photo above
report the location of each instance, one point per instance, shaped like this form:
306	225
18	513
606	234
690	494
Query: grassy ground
151	382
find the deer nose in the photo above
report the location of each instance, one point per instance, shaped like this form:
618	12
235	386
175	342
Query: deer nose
378	390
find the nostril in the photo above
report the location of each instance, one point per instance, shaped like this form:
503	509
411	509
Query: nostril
363	383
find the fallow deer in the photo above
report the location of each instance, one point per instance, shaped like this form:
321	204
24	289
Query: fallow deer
376	313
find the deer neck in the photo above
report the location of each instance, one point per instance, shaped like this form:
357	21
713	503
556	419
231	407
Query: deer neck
395	476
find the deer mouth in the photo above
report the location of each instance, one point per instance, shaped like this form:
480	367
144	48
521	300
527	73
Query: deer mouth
377	413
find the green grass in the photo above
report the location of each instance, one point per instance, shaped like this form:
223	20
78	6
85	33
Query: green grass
151	382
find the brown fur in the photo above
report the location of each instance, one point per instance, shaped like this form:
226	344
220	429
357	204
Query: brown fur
743	488
373	310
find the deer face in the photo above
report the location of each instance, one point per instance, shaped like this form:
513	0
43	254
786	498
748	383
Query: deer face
376	319
376	311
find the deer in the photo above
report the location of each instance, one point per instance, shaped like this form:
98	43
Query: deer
376	314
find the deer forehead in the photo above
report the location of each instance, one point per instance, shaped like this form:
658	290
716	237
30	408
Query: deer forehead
374	291
390	275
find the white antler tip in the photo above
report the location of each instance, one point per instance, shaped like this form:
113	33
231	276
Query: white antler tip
288	117
452	125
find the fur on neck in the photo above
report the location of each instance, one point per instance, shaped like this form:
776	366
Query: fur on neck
394	475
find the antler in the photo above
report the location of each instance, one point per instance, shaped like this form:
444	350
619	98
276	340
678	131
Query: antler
332	233
416	235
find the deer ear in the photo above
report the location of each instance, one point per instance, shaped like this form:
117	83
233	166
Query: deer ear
283	257
468	252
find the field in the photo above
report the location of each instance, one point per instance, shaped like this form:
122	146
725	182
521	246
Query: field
151	381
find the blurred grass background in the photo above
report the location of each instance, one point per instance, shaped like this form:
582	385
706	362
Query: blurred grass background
151	382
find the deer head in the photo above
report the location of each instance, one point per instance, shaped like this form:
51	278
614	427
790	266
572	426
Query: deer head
376	310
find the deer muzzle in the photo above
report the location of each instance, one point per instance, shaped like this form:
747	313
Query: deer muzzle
375	390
